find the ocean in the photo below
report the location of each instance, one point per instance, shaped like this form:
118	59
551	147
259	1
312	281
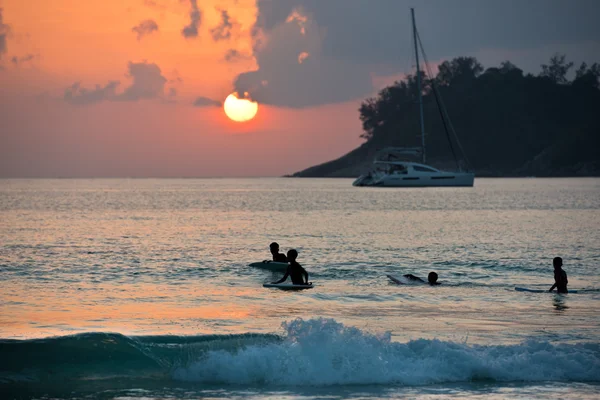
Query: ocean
141	289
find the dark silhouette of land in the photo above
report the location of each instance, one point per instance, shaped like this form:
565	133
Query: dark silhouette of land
508	123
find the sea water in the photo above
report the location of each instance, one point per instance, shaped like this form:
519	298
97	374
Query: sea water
139	288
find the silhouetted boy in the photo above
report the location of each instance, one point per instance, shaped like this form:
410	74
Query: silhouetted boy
295	271
277	256
560	276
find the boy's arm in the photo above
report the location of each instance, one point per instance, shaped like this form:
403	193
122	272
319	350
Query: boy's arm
552	288
305	275
287	273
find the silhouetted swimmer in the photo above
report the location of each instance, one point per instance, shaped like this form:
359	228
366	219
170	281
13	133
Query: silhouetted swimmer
431	278
295	271
560	276
277	256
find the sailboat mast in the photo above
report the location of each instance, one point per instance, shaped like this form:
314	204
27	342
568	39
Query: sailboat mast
420	92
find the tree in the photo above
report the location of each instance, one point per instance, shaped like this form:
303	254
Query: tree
581	70
558	69
458	71
507	66
510	70
379	115
508	122
368	117
587	77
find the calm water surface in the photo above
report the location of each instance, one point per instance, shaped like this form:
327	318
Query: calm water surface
141	289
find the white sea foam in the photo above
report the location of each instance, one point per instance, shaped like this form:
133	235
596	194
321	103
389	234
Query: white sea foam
325	352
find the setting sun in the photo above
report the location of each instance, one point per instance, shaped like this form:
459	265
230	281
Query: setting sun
239	110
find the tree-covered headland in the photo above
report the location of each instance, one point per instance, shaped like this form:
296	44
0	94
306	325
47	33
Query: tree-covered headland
508	123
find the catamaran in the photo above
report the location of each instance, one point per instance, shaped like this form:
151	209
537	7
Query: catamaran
390	169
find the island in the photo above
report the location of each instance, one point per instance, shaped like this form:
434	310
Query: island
509	124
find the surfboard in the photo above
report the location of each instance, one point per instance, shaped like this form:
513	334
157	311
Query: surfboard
270	265
288	286
522	289
400	281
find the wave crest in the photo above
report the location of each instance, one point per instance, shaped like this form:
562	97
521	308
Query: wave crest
324	352
316	352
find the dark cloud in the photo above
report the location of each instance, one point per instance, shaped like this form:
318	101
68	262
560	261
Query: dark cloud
223	30
206	102
233	55
318	52
148	83
363	30
144	28
4	31
294	71
172	92
76	94
191	30
309	84
20	60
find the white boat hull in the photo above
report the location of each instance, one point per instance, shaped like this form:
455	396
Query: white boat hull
430	180
447	180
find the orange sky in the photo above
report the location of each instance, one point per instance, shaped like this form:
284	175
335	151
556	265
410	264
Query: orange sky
92	43
132	87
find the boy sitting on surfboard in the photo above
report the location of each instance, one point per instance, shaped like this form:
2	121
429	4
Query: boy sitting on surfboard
294	270
277	256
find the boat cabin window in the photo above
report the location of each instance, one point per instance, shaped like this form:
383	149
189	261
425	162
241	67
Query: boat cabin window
423	169
398	169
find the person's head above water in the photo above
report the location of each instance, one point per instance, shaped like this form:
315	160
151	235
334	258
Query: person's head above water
292	255
432	277
557	262
274	247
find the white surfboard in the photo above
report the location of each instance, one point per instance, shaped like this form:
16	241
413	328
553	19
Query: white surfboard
270	265
522	289
287	286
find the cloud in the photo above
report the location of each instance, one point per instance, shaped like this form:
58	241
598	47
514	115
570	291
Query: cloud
20	60
154	4
147	83
191	30
365	32
349	41
233	55
75	94
302	56
206	102
4	31
300	19
144	28
288	77
223	30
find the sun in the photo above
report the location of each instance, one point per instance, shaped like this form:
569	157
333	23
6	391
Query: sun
240	110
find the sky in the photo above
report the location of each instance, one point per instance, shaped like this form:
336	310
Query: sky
134	88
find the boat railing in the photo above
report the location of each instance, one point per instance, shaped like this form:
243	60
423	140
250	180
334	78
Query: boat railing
397	153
